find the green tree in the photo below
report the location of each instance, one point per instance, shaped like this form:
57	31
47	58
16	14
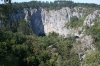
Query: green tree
24	27
59	61
92	58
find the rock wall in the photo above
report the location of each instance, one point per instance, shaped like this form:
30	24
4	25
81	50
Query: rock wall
54	21
43	21
36	23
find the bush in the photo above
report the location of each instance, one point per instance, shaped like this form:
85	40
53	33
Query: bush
75	22
92	58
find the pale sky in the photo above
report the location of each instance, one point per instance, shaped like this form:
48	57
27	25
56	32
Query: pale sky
80	1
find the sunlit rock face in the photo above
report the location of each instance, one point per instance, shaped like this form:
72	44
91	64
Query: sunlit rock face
44	22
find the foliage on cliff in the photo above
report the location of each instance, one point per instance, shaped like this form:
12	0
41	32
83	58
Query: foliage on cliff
95	32
75	22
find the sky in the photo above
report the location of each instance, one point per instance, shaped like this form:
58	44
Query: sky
80	1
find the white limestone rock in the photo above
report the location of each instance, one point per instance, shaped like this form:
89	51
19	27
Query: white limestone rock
89	19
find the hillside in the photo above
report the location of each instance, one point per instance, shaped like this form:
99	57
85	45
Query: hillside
59	33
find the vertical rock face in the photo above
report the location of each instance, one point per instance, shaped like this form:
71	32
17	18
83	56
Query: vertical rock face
55	21
36	23
43	21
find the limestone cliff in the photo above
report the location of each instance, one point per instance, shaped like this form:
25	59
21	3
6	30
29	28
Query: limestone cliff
43	21
54	20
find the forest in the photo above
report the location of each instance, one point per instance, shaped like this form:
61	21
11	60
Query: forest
19	46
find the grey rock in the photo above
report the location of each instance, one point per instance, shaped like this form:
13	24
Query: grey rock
55	20
36	23
89	19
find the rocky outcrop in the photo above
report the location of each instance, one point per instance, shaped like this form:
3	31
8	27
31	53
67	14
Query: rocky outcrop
89	19
54	21
84	44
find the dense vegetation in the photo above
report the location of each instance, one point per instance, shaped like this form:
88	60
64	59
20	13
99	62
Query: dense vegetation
75	22
31	50
92	58
20	47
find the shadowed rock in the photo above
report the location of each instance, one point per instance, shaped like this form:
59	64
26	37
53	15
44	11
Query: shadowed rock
37	24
